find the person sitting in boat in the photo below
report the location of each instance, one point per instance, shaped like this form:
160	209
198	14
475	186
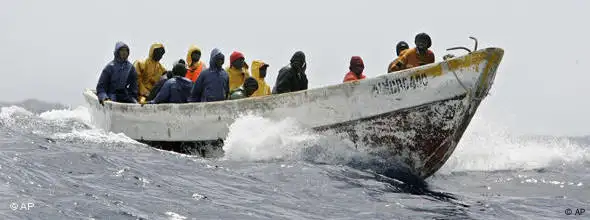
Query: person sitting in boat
237	70
292	77
195	65
118	80
356	69
259	73
401	46
417	56
213	83
177	89
250	86
165	77
149	71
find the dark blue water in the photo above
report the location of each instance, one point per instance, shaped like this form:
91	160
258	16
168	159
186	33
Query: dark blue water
55	165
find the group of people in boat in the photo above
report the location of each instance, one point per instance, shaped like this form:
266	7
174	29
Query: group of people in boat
149	82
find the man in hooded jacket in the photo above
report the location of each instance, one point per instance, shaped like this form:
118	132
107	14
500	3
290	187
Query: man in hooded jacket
194	63
175	90
118	80
259	73
149	71
213	83
356	69
237	70
399	48
292	77
414	57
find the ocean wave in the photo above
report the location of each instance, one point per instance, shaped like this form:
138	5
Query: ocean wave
484	147
80	114
72	125
253	138
489	147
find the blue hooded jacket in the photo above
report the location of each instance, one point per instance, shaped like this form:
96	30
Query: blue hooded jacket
118	80
213	83
175	90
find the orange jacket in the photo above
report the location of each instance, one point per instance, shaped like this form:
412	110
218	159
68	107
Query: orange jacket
193	74
350	76
194	69
409	59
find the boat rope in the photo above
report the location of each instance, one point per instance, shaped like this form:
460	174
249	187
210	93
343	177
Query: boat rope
460	83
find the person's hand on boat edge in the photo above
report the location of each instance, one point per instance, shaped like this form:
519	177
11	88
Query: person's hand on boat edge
142	100
104	100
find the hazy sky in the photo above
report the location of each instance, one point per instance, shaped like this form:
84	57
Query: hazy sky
55	49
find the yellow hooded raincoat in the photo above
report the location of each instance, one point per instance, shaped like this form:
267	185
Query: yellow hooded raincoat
237	77
149	71
194	69
263	88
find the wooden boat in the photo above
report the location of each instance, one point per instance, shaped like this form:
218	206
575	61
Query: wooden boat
416	115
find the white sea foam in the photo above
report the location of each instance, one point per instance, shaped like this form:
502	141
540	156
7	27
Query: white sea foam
253	137
487	146
80	114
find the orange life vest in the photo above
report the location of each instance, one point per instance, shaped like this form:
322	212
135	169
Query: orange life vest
193	74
